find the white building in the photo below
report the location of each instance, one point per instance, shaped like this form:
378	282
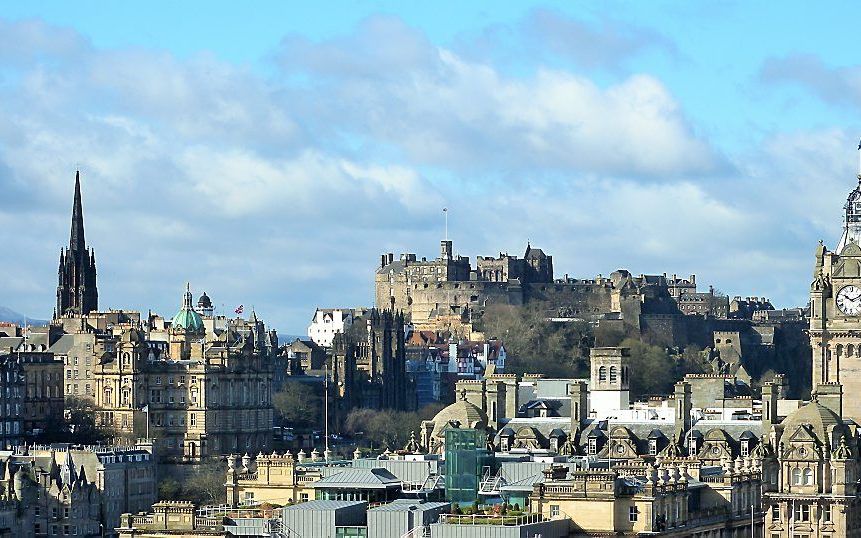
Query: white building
328	322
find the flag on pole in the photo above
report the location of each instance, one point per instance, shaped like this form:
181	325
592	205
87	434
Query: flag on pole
239	309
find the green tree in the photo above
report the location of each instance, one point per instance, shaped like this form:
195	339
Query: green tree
652	369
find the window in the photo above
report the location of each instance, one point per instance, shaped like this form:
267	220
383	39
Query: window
554	510
633	512
775	512
745	448
796	477
826	513
653	447
602	373
158	380
808	477
593	446
612	374
802	512
303	497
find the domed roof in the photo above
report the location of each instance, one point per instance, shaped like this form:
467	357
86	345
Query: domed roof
814	414
187	318
204	301
463	413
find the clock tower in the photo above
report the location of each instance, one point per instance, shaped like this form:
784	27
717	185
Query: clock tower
835	316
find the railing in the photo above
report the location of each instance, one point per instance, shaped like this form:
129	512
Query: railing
485	519
422	531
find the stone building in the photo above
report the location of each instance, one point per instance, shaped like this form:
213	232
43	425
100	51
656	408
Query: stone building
76	290
124	476
273	478
835	313
609	390
813	487
12	390
51	499
675	498
199	395
43	393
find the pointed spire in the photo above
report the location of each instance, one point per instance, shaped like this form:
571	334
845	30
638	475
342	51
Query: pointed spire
76	239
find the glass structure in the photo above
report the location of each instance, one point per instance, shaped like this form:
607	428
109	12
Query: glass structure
466	457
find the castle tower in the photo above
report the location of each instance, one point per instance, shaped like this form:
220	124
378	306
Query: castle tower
609	379
76	287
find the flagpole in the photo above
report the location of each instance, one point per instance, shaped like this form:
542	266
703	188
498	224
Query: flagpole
445	213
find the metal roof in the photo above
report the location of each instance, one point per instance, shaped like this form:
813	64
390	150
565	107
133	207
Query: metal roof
403	505
360	479
323	505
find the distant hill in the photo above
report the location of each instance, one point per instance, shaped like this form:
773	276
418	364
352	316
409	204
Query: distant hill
284	339
7	314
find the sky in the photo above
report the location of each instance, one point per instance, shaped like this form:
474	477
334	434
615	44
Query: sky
269	154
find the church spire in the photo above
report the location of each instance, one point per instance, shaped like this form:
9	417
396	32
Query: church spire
76	238
76	286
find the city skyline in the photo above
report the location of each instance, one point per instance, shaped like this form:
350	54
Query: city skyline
587	134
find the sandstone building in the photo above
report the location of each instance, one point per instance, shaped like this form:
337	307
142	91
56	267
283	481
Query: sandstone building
198	394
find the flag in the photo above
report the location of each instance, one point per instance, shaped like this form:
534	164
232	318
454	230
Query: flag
859	144
239	309
145	408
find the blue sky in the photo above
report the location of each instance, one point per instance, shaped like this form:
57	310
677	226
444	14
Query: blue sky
270	154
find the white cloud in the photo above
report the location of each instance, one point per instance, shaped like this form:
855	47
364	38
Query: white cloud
281	191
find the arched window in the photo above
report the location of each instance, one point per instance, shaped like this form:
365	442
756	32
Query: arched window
850	350
808	477
602	373
612	374
796	477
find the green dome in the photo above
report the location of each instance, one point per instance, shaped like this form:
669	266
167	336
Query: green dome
187	318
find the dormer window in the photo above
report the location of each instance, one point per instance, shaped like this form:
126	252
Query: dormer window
593	446
653	447
745	448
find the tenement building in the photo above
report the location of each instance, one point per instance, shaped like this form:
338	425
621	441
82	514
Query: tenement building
12	389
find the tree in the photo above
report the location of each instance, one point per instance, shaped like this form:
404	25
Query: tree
299	404
652	369
386	428
77	425
535	344
206	484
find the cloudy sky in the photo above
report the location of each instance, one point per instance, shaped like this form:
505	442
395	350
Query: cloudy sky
269	155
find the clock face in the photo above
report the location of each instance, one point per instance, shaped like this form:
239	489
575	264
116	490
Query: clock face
849	300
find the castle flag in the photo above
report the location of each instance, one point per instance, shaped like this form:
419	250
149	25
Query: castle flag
239	309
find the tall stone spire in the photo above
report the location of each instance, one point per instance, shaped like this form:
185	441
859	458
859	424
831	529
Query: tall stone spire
76	238
76	288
